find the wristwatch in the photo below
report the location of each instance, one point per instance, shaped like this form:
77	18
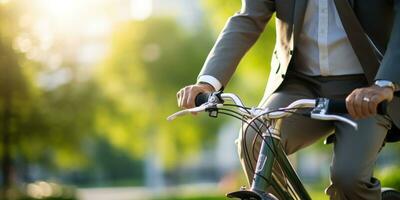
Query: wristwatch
386	83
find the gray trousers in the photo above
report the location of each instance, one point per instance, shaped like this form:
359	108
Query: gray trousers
355	152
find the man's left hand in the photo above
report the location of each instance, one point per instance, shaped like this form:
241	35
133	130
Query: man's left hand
363	102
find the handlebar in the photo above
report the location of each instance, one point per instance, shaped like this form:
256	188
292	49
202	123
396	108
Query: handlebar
322	108
339	107
202	98
333	106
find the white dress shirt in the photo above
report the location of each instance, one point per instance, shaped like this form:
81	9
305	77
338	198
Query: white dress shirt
324	49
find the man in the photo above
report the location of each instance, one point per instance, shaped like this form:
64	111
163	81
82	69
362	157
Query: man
314	57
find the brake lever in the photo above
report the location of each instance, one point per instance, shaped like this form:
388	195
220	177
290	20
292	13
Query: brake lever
201	108
320	112
187	111
334	117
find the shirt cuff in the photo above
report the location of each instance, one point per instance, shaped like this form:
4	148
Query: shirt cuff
210	80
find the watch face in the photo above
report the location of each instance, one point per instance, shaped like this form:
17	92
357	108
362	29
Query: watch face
382	83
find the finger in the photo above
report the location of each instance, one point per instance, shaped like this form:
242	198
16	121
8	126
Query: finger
365	110
178	97
378	98
183	98
191	97
349	105
357	105
373	106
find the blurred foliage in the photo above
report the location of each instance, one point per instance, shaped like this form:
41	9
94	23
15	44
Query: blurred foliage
51	198
48	191
38	125
390	177
40	119
108	167
117	116
139	81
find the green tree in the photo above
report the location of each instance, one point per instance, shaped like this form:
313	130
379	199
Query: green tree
37	123
16	94
148	63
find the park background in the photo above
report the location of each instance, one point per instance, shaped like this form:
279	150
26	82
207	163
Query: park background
85	89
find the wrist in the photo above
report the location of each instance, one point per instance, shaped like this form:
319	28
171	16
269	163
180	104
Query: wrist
207	85
386	84
214	82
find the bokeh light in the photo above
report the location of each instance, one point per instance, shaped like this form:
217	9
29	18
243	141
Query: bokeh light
141	9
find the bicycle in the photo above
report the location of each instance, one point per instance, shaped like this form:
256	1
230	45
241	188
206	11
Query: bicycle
291	187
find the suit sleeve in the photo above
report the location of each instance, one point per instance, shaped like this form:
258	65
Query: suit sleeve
239	34
390	66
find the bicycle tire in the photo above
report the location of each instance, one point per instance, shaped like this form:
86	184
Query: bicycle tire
390	194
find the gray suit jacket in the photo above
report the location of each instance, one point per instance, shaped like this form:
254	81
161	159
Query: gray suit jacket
379	18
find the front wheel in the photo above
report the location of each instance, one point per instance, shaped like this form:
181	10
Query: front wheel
390	194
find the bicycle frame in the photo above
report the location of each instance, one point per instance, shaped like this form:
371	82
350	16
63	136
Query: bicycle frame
264	177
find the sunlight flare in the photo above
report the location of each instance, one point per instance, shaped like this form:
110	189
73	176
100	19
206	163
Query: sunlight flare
141	9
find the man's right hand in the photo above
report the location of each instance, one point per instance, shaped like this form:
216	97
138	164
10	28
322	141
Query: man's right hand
187	95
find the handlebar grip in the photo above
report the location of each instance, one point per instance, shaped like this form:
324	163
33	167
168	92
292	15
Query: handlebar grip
339	106
202	98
